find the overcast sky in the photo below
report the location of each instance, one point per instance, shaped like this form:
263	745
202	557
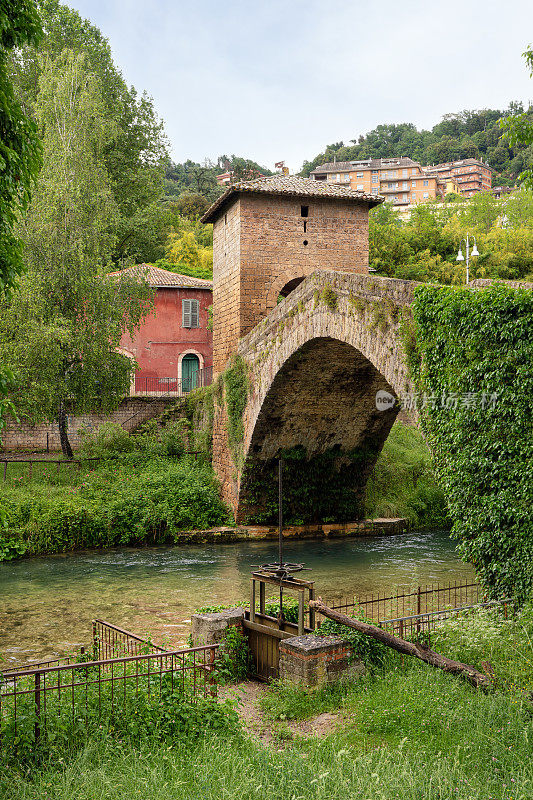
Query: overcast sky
280	79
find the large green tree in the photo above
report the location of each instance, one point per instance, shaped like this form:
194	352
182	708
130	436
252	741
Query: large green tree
518	129
20	153
136	154
61	328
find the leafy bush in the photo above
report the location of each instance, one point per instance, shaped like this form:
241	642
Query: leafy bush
137	499
372	653
108	440
233	656
403	484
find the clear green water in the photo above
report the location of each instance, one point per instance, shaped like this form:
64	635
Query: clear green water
47	604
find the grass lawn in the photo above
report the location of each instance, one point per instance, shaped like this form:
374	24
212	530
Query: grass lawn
408	732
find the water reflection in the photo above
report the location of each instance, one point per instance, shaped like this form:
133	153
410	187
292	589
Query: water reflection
47	604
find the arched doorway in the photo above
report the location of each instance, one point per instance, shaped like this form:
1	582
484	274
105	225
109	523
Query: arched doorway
190	366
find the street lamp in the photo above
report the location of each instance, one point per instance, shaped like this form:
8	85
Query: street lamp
460	256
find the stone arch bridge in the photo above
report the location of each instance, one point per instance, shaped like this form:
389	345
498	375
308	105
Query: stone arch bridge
315	365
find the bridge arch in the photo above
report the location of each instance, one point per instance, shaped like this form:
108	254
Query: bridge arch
316	364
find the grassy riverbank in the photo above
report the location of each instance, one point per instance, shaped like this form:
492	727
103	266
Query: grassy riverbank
136	499
145	491
406	731
403	484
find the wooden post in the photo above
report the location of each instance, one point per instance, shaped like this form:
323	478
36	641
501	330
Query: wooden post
300	613
31	469
312	623
418	608
262	589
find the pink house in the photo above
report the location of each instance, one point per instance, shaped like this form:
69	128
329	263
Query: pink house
174	345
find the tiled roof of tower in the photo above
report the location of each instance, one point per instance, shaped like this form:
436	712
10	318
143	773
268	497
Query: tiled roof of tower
163	278
291	187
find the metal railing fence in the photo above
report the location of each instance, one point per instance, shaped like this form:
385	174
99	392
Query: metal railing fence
422	600
152	385
54	464
110	641
406	627
74	697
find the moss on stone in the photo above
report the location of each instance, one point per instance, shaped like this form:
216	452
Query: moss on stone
328	297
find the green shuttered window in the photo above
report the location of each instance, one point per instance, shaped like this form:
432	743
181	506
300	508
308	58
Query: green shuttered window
190	310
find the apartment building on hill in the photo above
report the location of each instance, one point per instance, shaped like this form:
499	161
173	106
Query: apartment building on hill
471	174
404	181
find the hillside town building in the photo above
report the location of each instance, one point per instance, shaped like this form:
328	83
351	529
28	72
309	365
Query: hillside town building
403	181
471	174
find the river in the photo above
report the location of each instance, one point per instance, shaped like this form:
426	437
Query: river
47	604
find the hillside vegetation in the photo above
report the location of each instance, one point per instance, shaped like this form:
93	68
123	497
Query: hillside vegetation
465	134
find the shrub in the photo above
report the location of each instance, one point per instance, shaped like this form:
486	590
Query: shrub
134	500
403	484
476	348
108	440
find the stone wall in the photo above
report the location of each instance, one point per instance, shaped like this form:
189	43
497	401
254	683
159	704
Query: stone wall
130	414
315	660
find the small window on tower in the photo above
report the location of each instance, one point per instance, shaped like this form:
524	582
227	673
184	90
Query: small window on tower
305	211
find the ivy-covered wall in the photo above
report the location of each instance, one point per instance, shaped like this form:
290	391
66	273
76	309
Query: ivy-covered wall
473	361
325	487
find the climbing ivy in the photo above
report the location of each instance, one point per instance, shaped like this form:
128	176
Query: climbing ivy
236	386
473	367
326	487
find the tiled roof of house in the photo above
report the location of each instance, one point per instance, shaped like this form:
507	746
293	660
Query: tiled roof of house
163	278
291	186
371	163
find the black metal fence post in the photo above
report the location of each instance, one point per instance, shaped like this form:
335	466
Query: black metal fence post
37	691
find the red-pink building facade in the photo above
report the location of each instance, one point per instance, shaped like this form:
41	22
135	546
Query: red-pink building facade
173	346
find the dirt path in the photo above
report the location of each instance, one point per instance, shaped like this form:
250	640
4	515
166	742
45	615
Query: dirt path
276	733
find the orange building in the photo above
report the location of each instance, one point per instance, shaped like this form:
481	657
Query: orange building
471	174
403	181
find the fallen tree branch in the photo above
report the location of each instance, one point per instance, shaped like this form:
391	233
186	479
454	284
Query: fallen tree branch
416	649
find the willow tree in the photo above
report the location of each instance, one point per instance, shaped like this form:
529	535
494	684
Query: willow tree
60	330
19	153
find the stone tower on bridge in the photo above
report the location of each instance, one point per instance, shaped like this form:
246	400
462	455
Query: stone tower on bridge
313	368
269	234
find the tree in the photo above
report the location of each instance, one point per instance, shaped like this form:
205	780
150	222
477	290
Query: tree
19	143
20	154
61	328
191	205
518	128
136	154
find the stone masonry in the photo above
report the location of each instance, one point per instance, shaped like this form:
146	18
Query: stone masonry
271	233
315	370
130	414
315	660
